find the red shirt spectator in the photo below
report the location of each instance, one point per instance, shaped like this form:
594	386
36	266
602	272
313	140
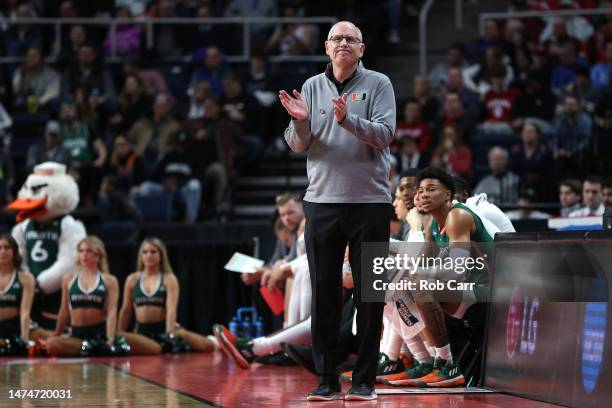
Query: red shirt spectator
499	100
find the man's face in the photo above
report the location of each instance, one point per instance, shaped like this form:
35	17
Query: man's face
344	45
33	58
567	196
591	194
571	105
398	205
161	106
491	32
411	112
121	146
86	56
212	59
77	35
498	162
291	214
455	79
455	57
407	189
211	109
432	195
452	103
607	196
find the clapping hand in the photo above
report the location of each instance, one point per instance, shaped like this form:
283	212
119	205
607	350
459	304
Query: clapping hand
296	107
340	107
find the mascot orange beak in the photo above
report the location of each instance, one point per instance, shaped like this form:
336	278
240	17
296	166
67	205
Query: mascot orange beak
28	208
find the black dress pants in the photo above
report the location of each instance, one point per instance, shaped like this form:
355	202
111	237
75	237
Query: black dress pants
329	229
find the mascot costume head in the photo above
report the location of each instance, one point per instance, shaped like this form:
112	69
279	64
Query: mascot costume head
47	235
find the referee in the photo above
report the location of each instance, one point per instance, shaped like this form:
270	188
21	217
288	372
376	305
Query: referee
345	118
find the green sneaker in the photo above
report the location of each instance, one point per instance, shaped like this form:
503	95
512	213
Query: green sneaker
410	376
444	374
385	367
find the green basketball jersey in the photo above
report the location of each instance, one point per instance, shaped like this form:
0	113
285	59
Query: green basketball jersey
77	142
42	244
480	235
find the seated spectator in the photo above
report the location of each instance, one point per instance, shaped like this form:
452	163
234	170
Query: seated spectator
66	10
421	91
201	91
601	73
207	35
491	37
569	196
174	174
154	83
607	192
412	127
557	32
582	88
210	67
454	59
169	40
125	166
516	46
113	203
477	76
498	102
453	113
526	199
571	136
69	55
408	156
153	134
451	154
264	8
90	74
535	104
292	38
20	37
7	178
126	39
36	85
244	110
532	161
501	186
212	148
257	78
87	150
133	104
565	72
51	149
592	198
469	98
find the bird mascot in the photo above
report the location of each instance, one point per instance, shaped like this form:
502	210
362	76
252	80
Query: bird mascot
47	234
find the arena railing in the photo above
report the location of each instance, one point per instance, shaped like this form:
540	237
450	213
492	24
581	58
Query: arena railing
246	23
541	14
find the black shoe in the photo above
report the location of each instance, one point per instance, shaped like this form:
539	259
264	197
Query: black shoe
301	354
361	392
325	392
279	359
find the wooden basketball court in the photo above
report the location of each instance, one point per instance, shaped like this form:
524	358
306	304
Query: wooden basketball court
192	380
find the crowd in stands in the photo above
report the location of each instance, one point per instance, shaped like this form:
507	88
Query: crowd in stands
514	112
130	122
526	105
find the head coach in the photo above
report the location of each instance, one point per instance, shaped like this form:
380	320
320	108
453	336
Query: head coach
345	119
